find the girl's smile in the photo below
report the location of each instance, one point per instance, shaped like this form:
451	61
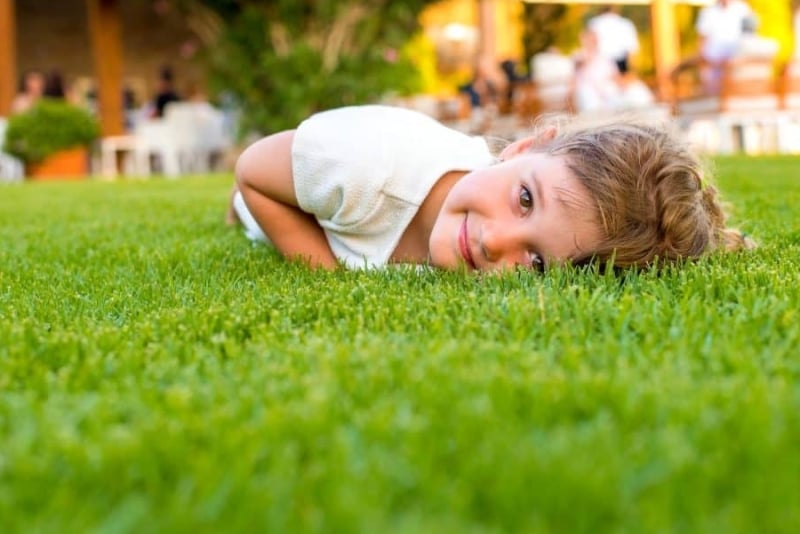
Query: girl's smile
464	244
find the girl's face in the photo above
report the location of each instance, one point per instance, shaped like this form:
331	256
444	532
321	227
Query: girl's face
528	211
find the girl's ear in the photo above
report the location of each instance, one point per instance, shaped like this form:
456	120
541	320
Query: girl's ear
517	147
527	143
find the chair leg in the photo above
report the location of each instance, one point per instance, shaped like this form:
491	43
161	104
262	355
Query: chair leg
141	158
725	128
128	163
768	140
202	158
171	162
787	131
752	137
11	170
108	161
705	135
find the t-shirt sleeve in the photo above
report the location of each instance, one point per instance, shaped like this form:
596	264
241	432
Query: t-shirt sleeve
339	167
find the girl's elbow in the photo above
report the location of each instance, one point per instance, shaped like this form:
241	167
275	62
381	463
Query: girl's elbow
265	161
242	169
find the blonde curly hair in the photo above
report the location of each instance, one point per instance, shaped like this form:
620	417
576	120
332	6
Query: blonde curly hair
651	195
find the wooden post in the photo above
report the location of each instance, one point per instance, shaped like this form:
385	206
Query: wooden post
796	32
8	56
487	32
104	29
665	45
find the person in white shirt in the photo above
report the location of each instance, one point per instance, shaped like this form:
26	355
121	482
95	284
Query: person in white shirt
617	37
720	28
600	87
597	79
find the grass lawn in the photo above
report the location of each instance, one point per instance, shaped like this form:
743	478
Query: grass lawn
159	373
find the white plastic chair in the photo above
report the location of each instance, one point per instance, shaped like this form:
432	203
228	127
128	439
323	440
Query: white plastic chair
153	138
185	140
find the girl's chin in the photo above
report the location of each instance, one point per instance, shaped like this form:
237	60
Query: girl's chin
442	247
445	263
435	259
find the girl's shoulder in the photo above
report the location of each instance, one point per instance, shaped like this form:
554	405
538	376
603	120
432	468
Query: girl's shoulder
385	129
372	115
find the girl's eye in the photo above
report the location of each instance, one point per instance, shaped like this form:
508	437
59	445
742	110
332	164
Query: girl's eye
525	198
537	264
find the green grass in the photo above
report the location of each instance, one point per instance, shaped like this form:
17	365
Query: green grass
159	373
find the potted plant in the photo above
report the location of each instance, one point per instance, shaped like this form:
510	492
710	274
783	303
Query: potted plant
52	139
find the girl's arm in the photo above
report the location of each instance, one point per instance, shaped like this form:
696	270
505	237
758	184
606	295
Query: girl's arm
264	177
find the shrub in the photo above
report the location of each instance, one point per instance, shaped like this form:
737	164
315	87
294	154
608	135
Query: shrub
285	59
49	127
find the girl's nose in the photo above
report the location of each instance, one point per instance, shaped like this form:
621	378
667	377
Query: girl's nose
502	244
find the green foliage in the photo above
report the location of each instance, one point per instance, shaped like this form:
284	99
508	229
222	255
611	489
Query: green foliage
49	127
284	60
159	373
542	27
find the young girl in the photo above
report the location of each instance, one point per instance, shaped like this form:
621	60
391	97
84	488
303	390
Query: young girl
370	185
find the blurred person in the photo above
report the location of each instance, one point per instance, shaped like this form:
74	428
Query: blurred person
513	77
597	79
719	26
31	88
485	89
166	93
600	87
617	37
54	85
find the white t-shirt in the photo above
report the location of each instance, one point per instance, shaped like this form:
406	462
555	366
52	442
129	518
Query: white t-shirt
364	171
721	28
616	36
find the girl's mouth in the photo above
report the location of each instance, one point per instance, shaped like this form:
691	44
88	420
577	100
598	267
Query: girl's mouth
463	245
